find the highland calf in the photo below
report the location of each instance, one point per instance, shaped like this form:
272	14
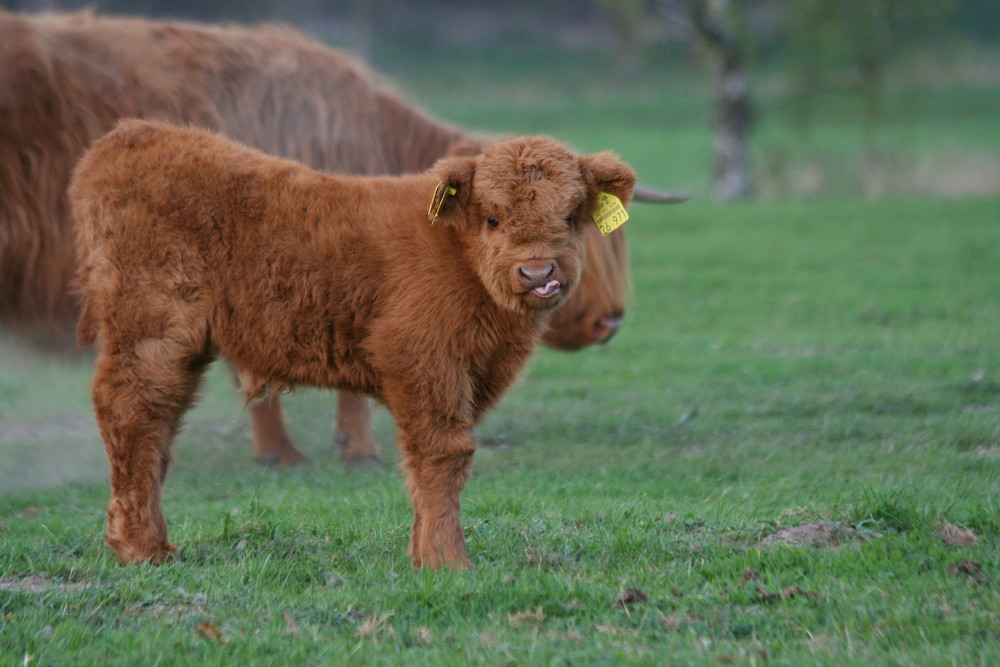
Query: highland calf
66	79
190	245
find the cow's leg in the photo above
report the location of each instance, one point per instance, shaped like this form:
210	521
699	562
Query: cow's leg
437	465
140	393
354	430
271	443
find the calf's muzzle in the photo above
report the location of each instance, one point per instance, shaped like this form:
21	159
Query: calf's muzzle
539	276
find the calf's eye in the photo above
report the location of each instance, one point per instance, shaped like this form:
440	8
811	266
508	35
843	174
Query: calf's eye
569	219
493	222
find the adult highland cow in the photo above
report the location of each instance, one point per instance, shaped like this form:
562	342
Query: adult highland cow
192	245
66	79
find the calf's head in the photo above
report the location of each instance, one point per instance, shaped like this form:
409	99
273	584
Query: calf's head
521	208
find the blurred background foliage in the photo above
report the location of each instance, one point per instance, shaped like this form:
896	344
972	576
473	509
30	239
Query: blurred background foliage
842	34
787	98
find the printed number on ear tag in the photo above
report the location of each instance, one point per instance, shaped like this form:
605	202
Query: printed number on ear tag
610	214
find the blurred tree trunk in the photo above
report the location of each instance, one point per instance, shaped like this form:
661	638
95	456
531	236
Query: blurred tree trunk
732	114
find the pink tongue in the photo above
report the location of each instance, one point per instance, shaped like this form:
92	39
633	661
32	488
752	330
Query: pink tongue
551	288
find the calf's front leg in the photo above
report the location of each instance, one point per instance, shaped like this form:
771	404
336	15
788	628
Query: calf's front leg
437	465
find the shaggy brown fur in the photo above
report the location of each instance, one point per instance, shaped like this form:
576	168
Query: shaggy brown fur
191	245
66	79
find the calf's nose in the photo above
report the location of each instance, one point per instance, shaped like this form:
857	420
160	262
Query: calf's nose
535	274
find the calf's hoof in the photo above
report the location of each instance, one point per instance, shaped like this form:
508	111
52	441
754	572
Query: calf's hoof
437	563
155	555
452	556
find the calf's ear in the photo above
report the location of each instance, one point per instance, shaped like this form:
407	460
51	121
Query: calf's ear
452	194
604	172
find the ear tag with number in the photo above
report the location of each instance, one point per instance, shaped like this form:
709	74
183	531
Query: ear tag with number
610	214
448	191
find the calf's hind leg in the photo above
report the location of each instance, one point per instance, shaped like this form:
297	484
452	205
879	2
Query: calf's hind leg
140	392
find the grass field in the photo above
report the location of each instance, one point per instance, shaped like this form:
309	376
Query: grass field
789	455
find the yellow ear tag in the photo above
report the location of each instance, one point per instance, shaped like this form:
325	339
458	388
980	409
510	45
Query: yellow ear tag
447	193
610	214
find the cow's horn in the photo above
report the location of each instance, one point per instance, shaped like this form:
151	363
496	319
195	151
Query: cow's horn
642	193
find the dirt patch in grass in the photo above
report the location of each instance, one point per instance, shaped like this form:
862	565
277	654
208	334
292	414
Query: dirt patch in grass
970	569
35	584
178	606
955	536
817	535
764	595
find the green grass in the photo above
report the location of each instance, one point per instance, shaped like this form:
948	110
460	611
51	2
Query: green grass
783	363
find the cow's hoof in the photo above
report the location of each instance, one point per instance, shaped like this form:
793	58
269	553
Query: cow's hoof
288	457
363	463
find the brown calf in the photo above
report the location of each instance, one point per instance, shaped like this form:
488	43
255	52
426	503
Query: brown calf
65	79
190	245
